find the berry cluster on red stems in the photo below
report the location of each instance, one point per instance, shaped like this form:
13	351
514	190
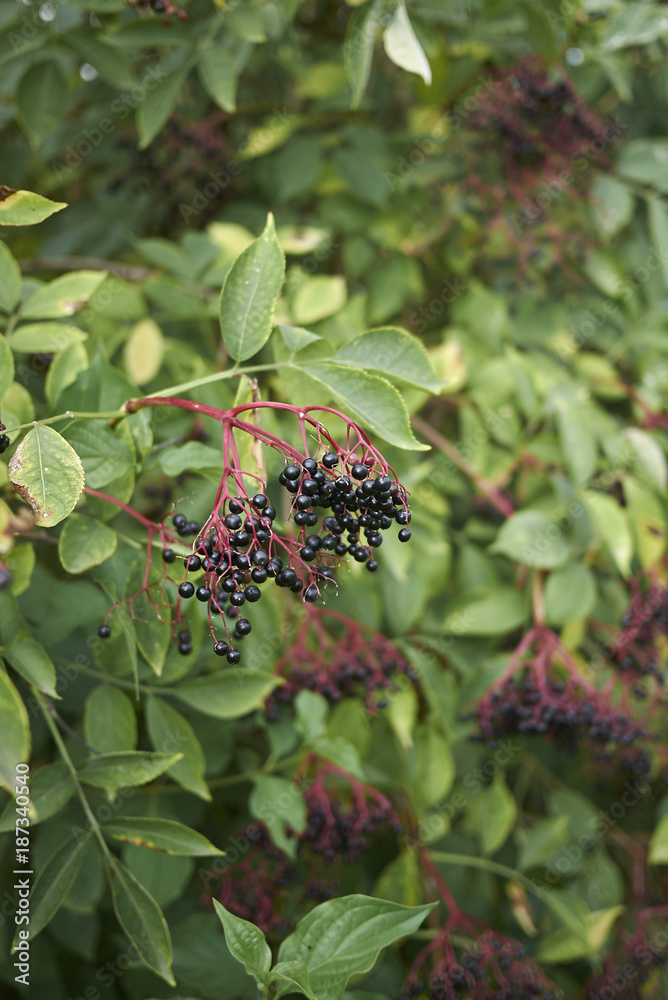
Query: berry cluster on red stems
627	970
339	658
547	695
4	440
644	625
164	7
493	967
238	550
342	813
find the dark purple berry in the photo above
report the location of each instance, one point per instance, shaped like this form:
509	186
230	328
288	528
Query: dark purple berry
104	631
186	589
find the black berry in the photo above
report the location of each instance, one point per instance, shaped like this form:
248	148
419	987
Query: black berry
104	631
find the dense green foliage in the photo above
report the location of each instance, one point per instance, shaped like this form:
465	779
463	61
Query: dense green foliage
449	222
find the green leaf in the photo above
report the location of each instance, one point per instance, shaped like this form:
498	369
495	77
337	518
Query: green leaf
157	105
193	456
494	612
612	204
31	660
169	730
648	519
533	538
85	542
246	942
229	694
577	442
109	722
402	46
611	525
393	352
144	351
291	977
219	67
542	841
369	399
152	628
45	338
319	297
51	788
54	882
644	160
105	456
343	938
142	921
359	45
62	297
658	227
24	208
41	99
126	769
491	814
658	847
280	805
64	369
6	366
112	65
650	459
570	594
250	294
14	732
160	835
434	768
10	280
297	338
47	472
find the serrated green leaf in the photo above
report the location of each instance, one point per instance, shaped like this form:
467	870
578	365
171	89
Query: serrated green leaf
160	835
228	695
104	455
110	723
85	542
169	730
343	937
30	659
250	294
246	942
25	208
62	297
367	398
10	281
47	472
142	921
125	769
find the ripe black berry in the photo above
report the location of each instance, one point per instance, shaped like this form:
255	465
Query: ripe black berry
104	631
259	501
292	472
403	517
259	558
237	598
233	522
303	502
269	514
185	648
4	443
259	575
192	563
311	594
330	460
168	555
301	517
359	471
203	594
233	656
186	589
243	627
310	465
192	528
253	594
404	534
220	648
179	521
372	565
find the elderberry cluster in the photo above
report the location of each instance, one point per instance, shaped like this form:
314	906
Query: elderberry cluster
643	626
377	502
165	7
238	549
343	829
497	969
4	440
352	667
558	712
637	955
